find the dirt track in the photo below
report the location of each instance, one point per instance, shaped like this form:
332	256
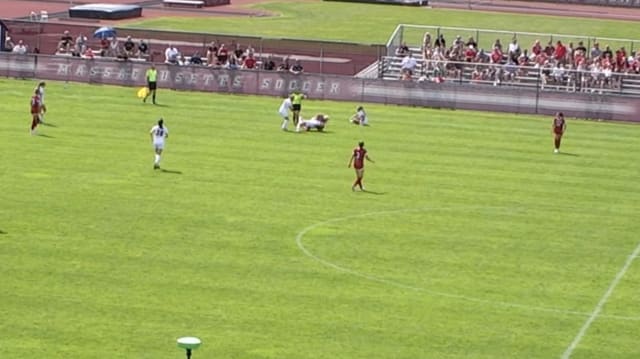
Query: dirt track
21	8
540	8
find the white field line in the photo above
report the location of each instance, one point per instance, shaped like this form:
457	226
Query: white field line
308	253
596	311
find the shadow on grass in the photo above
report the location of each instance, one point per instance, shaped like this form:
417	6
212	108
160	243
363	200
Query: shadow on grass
44	135
48	124
171	171
160	105
569	154
3	232
373	192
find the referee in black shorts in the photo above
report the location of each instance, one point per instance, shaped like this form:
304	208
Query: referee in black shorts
152	77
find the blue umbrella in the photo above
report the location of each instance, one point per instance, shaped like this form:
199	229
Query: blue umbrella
104	32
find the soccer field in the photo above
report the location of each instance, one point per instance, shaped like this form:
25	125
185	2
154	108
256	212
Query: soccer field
473	240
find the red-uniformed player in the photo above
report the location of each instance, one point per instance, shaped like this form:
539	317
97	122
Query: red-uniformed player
357	158
36	109
558	127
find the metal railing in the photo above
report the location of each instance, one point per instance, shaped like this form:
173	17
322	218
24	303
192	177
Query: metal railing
544	78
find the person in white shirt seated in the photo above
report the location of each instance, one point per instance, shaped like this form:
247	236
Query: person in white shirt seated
20	48
408	66
171	55
360	117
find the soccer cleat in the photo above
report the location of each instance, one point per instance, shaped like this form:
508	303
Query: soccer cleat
556	151
353	188
156	166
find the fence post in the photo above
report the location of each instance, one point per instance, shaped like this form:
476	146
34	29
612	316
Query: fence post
538	84
321	59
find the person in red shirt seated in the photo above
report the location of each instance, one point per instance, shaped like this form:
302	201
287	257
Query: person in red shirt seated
249	62
560	52
496	56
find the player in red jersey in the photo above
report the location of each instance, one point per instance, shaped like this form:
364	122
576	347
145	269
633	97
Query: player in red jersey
558	127
357	159
36	108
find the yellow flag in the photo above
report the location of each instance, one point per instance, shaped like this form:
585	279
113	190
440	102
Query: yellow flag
143	92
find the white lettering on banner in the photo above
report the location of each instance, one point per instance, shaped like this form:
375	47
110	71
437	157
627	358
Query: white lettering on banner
63	69
81	71
269	83
164	76
208	78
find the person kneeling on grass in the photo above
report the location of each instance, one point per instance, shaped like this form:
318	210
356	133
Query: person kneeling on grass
317	122
360	117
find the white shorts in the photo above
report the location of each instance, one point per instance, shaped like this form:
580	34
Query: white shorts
284	114
158	145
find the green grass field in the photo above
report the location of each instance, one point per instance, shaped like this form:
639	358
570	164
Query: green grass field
354	22
475	241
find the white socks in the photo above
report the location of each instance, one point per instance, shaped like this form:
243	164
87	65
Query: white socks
157	161
284	124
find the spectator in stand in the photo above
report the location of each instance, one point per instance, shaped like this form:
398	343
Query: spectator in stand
195	59
496	55
143	50
88	53
440	42
129	47
182	61
514	50
634	63
426	46
212	54
458	42
595	51
297	68
269	64
607	53
403	49
20	48
581	47
536	49
560	52
223	54
238	51
66	41
249	62
231	64
104	47
408	67
284	66
470	53
8	44
171	55
80	45
114	47
549	49
250	51
471	42
498	44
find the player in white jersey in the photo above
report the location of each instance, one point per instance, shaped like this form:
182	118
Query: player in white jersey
285	107
159	133
317	122
360	117
43	106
